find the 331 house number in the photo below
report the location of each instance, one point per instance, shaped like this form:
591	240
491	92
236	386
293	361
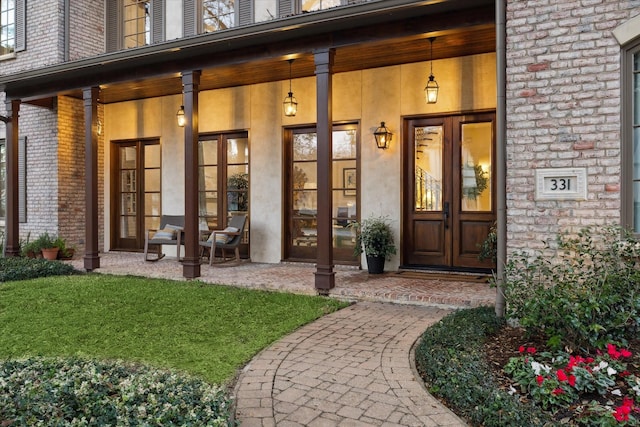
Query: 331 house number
561	184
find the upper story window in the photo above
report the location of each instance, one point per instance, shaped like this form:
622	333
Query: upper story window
218	15
7	27
311	5
137	23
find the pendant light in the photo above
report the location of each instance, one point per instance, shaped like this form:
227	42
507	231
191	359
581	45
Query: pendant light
290	104
431	90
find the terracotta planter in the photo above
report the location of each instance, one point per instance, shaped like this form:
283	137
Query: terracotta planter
50	253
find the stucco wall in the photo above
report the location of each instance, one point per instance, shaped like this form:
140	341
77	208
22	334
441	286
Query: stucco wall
370	96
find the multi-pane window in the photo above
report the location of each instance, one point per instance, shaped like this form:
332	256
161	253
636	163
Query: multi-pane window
218	15
137	23
7	26
311	5
635	122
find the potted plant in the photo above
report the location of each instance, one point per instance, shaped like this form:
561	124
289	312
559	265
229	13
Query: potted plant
375	239
45	246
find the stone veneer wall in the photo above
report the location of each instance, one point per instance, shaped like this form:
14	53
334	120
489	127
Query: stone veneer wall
563	110
71	174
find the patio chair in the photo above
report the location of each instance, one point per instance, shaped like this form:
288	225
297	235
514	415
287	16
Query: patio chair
171	232
226	239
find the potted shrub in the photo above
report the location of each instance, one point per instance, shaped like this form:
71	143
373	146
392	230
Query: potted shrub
375	239
44	245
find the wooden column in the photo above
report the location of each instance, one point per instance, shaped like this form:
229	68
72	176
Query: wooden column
12	224
191	263
91	257
324	275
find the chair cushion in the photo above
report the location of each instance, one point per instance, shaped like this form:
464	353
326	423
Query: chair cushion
165	234
221	238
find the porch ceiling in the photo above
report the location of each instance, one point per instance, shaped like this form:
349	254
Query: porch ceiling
369	35
467	41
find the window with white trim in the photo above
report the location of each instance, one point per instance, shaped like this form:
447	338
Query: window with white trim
7	27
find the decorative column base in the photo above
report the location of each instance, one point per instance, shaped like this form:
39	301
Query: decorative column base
191	268
91	262
325	279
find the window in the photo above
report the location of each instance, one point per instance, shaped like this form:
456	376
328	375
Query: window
12	26
265	10
8	27
218	15
311	5
22	171
631	134
137	23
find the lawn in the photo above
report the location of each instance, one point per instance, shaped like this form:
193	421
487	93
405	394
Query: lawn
206	330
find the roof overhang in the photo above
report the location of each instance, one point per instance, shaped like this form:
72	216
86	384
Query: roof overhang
256	53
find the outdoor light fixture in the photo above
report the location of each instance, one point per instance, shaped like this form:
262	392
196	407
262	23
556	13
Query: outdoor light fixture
182	120
383	136
431	90
290	104
99	127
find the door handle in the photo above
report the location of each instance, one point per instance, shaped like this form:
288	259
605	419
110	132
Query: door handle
445	214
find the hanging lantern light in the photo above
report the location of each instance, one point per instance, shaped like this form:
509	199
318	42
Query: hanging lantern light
182	120
431	90
290	104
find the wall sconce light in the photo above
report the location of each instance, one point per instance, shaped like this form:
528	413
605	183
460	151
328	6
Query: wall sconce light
290	104
383	136
431	90
182	120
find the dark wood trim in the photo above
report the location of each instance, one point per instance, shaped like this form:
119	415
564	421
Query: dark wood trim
191	264
91	257
324	275
12	226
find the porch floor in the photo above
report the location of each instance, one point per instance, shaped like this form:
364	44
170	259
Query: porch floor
351	283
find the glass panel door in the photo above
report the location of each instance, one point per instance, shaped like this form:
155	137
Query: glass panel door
136	182
303	193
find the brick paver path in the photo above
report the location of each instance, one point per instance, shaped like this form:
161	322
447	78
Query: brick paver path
350	368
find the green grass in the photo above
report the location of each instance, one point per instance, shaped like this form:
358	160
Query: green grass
205	330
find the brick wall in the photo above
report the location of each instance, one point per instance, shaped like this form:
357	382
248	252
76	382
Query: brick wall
87	32
563	110
71	174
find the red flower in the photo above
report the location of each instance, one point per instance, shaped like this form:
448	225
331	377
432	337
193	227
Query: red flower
589	360
562	376
572	380
612	351
521	349
625	353
540	379
531	350
625	374
557	391
619	416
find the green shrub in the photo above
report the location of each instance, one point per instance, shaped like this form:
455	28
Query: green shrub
585	297
75	392
450	359
15	268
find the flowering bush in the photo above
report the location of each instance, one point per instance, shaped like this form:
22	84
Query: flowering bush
74	392
599	389
585	296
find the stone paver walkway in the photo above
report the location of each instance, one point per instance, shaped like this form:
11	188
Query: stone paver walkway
350	368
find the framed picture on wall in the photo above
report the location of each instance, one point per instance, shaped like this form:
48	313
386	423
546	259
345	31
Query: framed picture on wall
349	181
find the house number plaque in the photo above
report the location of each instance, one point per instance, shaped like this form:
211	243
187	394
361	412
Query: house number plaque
561	184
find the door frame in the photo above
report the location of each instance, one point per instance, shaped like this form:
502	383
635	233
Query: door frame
457	261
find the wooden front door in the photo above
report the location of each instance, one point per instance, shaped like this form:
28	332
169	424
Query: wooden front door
449	203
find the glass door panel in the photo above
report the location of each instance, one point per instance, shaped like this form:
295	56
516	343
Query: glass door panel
428	152
476	165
